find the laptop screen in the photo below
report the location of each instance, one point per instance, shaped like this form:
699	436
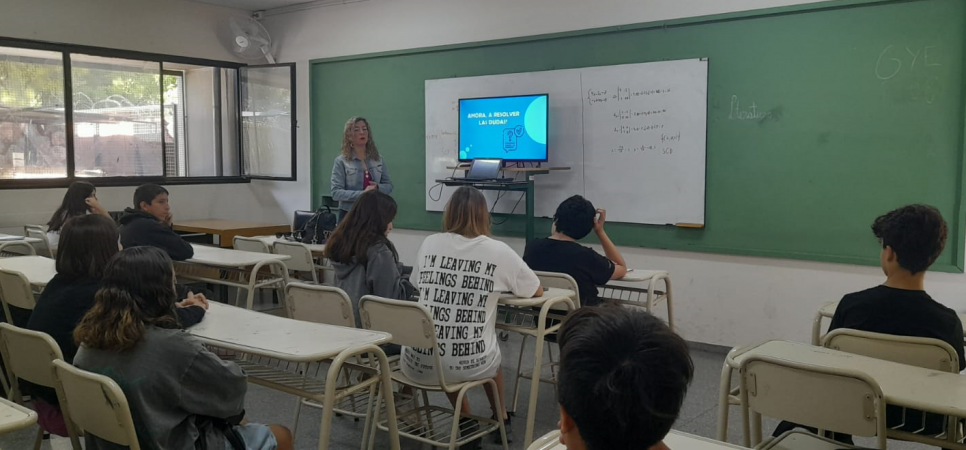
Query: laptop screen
485	169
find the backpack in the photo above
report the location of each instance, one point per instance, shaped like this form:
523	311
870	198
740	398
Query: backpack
318	228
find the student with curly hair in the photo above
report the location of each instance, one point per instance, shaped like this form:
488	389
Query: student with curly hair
359	167
912	237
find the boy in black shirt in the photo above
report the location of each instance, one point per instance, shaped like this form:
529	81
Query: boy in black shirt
912	237
561	253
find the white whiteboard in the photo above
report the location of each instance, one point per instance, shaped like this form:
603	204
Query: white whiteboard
634	137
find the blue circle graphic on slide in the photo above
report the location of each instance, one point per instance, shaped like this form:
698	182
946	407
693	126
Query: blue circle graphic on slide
535	120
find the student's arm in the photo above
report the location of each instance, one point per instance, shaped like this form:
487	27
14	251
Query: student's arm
162	236
339	192
610	250
95	207
383	274
190	315
385	184
212	387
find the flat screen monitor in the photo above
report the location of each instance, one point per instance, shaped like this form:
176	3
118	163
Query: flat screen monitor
512	128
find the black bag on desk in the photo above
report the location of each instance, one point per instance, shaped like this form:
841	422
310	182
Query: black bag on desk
318	228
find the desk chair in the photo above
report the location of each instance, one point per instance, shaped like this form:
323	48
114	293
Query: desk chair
840	400
29	355
553	280
549	441
16	248
411	324
331	306
39	232
301	261
648	297
15	290
95	404
927	353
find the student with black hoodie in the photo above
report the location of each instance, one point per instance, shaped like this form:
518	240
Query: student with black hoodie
149	224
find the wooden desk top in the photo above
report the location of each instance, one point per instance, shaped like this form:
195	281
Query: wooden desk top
38	269
263	334
217	226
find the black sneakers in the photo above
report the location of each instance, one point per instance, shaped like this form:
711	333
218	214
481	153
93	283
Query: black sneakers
509	432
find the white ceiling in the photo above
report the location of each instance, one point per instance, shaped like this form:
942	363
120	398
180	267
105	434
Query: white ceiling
253	5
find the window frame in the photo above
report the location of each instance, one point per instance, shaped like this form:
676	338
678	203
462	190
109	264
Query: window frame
66	50
295	125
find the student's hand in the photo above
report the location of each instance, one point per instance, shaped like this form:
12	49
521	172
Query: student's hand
371	187
93	205
168	219
599	221
193	300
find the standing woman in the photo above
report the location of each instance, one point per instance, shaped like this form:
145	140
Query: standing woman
359	168
80	199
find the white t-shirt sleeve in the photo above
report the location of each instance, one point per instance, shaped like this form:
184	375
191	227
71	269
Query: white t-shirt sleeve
522	281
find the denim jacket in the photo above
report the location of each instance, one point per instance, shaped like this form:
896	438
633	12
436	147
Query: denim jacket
347	179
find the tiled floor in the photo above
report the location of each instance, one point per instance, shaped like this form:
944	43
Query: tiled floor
698	416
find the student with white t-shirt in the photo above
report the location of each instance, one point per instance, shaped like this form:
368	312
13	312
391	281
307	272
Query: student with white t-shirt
460	275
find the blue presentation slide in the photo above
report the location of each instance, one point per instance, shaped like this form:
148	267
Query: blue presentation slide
511	128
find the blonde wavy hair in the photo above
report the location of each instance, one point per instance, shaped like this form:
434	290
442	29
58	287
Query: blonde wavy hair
371	151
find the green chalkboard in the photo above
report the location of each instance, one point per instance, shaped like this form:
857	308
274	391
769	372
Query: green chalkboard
820	117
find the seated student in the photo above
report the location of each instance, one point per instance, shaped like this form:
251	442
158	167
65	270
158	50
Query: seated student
622	379
89	242
912	237
561	253
80	199
366	262
149	223
179	393
461	274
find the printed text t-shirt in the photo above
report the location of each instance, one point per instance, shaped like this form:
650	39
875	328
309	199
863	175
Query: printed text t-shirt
460	281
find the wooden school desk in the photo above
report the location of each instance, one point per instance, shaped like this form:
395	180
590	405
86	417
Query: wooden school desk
675	440
828	310
648	297
38	269
226	230
519	315
278	338
235	268
902	385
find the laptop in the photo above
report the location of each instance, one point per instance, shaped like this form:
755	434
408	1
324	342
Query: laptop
484	170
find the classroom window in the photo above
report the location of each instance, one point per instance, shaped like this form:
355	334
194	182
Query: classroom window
126	118
33	142
267	123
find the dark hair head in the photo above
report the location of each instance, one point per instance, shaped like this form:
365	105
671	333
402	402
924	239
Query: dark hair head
466	213
146	193
575	217
73	205
916	233
137	291
87	243
623	376
363	226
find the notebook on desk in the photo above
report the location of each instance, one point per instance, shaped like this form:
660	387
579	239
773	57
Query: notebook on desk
483	170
